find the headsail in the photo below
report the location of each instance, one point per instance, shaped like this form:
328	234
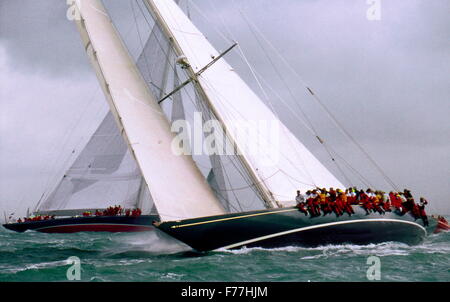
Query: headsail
158	65
281	171
176	185
104	174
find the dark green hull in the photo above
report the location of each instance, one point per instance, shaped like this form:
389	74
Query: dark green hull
289	227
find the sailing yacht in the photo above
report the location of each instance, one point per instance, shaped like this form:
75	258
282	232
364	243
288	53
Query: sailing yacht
206	213
128	161
230	101
104	172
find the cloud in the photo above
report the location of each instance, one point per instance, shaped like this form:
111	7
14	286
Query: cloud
42	119
386	81
41	38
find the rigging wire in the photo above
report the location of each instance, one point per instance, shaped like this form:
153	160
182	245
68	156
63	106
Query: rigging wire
260	86
362	179
196	84
266	96
292	110
147	65
327	148
237	113
329	113
309	126
289	90
239	159
234	159
52	181
304	114
204	109
56	179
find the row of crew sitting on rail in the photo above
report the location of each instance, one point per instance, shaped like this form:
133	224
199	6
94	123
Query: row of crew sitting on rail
115	211
111	211
318	201
36	218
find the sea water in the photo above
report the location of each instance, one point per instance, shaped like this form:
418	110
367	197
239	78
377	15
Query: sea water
150	256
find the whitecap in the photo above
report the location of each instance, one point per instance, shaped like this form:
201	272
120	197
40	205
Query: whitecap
36	266
154	242
380	249
172	276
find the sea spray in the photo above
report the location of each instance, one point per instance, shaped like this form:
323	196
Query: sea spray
154	242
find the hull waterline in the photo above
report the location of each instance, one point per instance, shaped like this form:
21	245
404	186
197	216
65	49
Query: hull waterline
288	227
88	224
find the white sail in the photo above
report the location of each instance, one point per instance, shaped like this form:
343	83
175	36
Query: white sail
104	174
154	62
289	167
176	185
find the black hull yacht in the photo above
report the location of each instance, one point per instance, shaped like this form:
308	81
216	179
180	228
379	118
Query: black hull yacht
289	227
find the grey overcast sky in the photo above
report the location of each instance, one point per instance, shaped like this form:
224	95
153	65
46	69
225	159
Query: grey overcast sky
386	80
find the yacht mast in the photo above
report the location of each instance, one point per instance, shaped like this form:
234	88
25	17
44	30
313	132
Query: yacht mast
269	201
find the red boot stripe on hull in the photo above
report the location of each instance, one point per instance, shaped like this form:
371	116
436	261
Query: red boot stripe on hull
73	228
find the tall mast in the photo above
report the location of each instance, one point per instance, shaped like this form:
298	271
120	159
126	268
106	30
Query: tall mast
281	164
269	201
176	185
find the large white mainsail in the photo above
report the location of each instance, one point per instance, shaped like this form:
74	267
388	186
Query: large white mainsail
176	185
292	166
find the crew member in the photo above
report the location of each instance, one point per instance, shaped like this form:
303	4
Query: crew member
423	202
339	203
395	200
323	202
365	201
345	203
409	203
299	198
387	204
351	196
377	204
312	204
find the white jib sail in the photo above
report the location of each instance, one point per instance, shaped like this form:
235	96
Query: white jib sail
104	174
282	163
176	185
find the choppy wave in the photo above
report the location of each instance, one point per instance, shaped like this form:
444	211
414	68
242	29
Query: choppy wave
154	256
